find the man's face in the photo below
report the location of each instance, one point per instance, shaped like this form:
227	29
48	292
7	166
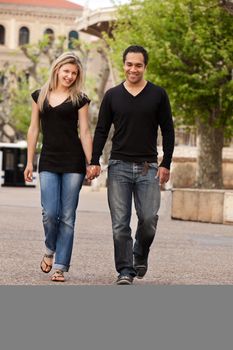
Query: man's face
134	67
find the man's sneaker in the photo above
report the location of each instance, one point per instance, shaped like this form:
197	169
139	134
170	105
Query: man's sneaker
124	280
140	266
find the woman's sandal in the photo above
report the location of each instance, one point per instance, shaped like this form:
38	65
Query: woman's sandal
58	276
45	267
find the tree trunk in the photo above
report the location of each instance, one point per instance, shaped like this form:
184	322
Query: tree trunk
103	79
7	132
103	75
209	158
227	4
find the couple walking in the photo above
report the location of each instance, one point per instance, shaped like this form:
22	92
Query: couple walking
136	108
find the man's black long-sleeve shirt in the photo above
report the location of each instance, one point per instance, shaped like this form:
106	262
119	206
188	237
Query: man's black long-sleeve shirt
136	120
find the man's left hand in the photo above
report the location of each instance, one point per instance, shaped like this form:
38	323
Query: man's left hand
163	175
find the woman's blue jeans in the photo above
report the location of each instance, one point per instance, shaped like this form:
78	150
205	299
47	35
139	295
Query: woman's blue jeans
128	181
59	200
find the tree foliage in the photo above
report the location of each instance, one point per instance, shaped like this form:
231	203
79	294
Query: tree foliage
21	106
191	54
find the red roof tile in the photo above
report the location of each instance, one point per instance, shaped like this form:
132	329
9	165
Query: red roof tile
45	3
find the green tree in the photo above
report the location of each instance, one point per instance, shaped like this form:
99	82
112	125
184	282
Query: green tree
191	55
20	106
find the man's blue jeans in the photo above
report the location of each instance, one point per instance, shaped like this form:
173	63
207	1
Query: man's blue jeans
128	181
59	200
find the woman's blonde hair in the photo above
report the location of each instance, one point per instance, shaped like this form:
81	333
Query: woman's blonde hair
52	82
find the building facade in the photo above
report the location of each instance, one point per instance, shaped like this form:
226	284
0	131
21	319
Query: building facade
26	21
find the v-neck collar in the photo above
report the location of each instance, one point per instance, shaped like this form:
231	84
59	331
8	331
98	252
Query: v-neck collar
134	96
57	104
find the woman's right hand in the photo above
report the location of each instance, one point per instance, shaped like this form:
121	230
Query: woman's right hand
93	171
28	176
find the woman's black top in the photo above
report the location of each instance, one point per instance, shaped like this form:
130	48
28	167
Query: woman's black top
62	150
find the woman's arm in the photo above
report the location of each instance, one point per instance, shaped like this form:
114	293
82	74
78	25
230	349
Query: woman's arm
85	134
86	140
32	137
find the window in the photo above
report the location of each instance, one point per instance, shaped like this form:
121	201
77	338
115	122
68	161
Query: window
50	33
72	35
23	36
2	35
9	159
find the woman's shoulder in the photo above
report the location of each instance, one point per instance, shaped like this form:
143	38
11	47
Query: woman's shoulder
83	99
83	96
35	95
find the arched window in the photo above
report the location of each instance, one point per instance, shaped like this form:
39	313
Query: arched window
2	35
50	34
72	35
23	36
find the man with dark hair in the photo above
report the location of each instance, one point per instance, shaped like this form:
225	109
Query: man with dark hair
136	49
136	108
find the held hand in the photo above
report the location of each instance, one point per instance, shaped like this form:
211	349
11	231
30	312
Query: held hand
93	171
28	173
163	175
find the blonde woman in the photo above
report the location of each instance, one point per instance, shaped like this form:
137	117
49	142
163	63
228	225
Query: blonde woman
60	107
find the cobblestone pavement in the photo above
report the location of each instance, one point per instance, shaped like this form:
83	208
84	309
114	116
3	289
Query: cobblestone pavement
183	253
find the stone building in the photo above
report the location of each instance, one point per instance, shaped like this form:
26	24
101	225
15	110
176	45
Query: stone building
26	21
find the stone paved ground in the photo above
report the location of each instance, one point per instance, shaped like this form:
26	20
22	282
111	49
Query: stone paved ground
184	253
